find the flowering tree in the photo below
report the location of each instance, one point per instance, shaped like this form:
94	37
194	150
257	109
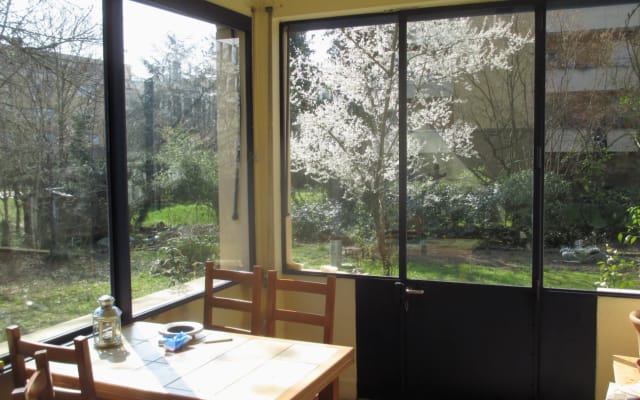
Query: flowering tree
351	134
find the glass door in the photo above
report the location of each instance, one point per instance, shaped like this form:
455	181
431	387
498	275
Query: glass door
469	162
470	149
463	309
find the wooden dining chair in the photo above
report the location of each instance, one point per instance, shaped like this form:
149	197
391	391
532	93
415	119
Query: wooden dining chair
79	354
216	300
39	385
275	313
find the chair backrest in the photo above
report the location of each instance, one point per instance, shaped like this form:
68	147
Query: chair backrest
213	300
325	320
79	354
39	385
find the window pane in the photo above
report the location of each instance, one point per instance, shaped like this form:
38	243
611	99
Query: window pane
470	149
591	153
53	212
186	163
343	88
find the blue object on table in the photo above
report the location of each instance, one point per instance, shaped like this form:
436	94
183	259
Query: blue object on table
176	342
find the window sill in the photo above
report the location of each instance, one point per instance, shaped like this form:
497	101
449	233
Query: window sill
144	306
614	292
297	268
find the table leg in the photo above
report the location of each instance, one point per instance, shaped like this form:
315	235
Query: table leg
330	392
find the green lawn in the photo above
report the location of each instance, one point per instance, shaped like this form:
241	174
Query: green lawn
66	293
517	273
62	293
39	292
182	214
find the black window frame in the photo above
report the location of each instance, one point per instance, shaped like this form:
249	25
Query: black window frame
116	146
116	136
539	8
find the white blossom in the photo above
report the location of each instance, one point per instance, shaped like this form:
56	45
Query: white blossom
352	136
345	123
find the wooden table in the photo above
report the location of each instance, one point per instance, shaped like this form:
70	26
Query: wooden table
247	367
625	370
626	378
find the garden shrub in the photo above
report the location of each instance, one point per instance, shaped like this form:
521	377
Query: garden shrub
584	214
620	270
173	264
196	248
570	212
357	228
446	210
184	249
316	218
515	198
500	214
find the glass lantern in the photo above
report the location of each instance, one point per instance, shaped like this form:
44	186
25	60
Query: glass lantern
107	324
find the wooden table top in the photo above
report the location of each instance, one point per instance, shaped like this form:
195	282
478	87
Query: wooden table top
246	367
625	370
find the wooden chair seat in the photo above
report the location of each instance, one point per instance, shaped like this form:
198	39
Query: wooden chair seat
79	354
252	279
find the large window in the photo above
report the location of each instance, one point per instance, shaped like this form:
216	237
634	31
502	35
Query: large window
468	148
125	188
591	191
187	171
344	148
412	149
54	231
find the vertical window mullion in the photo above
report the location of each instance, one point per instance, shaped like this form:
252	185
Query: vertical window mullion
538	143
116	156
538	186
402	148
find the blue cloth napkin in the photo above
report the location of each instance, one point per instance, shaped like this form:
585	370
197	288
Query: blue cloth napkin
176	342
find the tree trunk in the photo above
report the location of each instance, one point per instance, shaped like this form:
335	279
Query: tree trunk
5	207
17	206
27	215
377	208
4	223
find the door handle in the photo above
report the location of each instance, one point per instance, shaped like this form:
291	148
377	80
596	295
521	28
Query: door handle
410	292
406	293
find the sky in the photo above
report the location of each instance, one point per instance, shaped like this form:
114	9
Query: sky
145	27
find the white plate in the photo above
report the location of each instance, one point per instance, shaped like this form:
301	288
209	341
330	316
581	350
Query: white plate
187	327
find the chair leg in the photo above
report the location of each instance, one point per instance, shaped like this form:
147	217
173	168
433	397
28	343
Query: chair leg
330	392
